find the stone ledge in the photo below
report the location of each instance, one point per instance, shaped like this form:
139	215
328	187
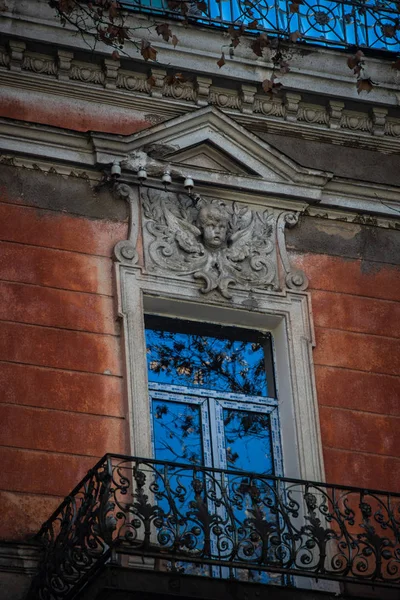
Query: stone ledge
19	557
134	584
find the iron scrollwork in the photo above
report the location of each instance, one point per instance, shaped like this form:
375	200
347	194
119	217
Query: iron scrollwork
331	23
203	520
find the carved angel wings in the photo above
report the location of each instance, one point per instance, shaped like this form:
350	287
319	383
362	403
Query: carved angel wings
219	244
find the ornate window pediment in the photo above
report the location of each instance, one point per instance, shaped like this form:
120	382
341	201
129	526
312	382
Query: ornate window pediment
215	150
228	232
216	254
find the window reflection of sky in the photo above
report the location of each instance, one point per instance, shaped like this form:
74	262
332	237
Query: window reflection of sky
210	406
177	432
206	362
248	441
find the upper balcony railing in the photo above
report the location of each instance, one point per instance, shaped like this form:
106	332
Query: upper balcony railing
205	521
372	24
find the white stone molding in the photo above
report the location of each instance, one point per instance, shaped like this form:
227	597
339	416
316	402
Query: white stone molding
125	250
295	279
17	49
87	73
64	60
332	121
318	70
19	558
39	63
356	121
312	113
162	283
4	57
213	149
133	82
212	126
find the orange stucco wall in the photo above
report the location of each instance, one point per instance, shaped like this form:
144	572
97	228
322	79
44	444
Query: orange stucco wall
356	311
70	113
62	402
61	370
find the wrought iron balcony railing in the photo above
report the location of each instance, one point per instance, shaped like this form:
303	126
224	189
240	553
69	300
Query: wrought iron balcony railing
205	521
372	24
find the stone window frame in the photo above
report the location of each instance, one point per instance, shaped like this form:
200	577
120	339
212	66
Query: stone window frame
287	316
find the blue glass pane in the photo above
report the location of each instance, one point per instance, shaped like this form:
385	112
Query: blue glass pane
177	432
206	362
248	441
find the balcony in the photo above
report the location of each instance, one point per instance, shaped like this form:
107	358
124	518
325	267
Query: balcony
366	24
195	521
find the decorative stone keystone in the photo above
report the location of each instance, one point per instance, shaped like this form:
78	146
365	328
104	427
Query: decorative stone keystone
292	102
17	49
335	113
203	90
64	64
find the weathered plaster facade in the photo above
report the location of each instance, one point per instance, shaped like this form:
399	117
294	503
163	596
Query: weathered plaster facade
71	366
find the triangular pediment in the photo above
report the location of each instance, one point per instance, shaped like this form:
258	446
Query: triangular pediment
209	141
206	156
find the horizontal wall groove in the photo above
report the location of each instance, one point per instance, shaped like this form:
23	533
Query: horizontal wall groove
344	257
62	212
352	332
360	411
32	494
52	452
340	293
52	248
330	366
45	409
54	328
360	452
50	367
59	327
46	368
312	288
58	289
385	375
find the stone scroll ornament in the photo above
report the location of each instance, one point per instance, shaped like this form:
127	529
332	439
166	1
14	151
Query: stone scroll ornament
222	245
125	250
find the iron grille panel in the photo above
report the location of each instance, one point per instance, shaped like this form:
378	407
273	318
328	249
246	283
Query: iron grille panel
200	519
372	24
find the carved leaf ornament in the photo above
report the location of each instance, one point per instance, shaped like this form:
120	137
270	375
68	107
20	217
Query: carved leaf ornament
222	245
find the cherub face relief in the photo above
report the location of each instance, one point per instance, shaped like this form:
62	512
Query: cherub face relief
214	225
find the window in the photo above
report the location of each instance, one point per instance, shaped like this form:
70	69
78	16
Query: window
212	394
212	403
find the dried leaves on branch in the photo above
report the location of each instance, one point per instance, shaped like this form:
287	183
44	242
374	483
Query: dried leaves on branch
357	63
106	21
